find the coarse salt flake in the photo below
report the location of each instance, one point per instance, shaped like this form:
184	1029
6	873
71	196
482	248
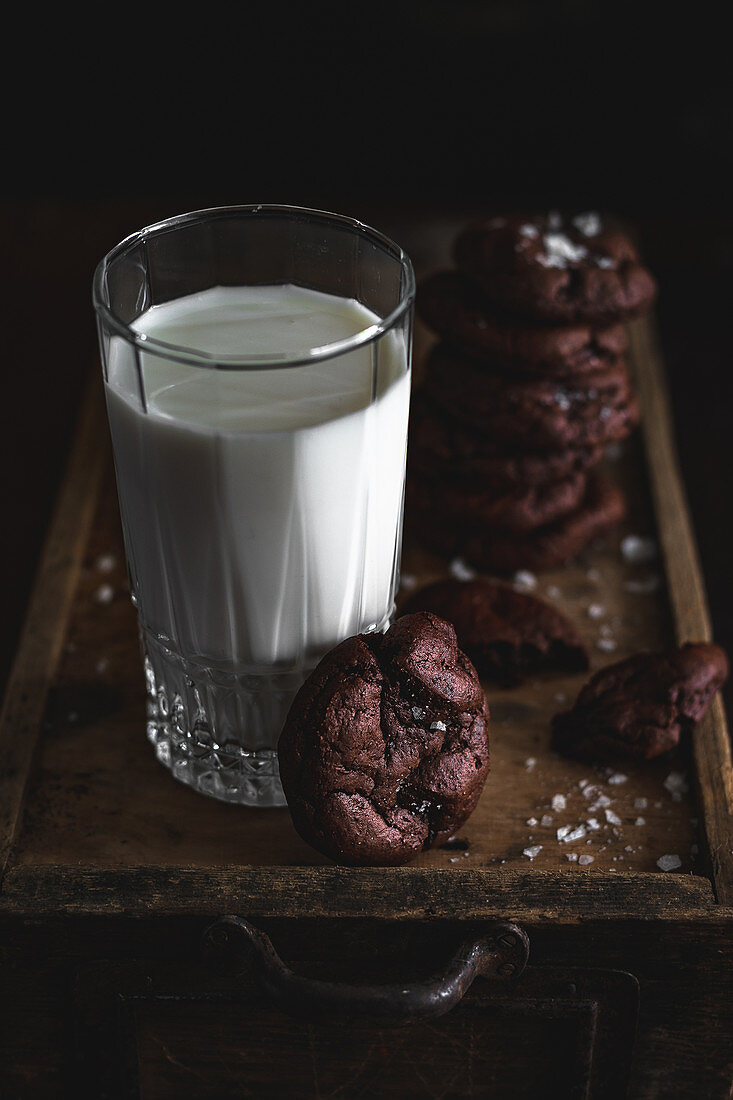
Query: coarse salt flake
533	851
617	779
558	802
523	579
585	860
588	223
669	863
459	569
638	549
612	818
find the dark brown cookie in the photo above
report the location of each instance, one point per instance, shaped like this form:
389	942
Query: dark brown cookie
549	547
517	510
552	414
454	308
442	445
555	268
637	708
508	635
385	750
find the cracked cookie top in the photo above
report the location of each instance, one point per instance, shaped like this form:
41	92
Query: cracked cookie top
385	750
552	267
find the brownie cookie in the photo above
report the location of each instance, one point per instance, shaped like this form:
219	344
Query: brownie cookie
637	708
517	510
439	444
546	548
455	309
554	268
550	414
508	635
385	750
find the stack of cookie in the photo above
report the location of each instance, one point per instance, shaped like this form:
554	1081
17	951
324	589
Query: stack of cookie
524	390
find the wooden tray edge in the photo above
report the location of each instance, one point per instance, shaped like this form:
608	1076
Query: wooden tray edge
41	638
687	597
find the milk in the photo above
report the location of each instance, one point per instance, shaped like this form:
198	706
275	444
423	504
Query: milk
261	508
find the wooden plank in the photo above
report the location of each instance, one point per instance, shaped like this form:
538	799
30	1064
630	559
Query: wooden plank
711	743
43	632
384	893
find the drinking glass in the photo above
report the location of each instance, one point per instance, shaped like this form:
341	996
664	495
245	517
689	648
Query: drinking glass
260	486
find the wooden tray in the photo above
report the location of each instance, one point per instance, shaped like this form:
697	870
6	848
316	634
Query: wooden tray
90	822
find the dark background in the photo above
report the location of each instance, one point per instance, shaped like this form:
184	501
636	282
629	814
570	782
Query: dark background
378	111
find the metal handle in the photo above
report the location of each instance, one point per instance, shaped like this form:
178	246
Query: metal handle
500	955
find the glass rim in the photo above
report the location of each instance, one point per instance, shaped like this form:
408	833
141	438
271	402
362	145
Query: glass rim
194	357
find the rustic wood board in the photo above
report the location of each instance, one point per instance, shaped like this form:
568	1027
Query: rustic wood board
86	792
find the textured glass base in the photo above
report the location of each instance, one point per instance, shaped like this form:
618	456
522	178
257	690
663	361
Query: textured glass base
216	730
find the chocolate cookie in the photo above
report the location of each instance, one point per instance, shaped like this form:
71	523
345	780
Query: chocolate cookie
555	268
442	445
551	414
637	708
549	547
385	750
508	635
517	510
454	308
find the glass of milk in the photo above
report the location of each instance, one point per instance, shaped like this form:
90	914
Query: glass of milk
257	376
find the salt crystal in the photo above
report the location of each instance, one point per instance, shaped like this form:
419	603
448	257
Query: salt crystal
563	831
640	821
585	860
617	779
531	821
523	579
638	549
530	762
558	802
612	818
560	246
562	400
105	563
606	262
408	581
572	857
529	230
589	223
438	726
669	863
593	823
533	851
459	569
596	611
418	713
643	586
607	645
572	834
546	821
600	803
640	803
628	848
104	594
676	784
